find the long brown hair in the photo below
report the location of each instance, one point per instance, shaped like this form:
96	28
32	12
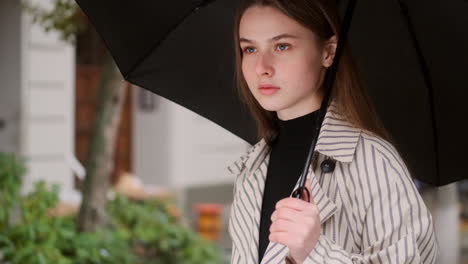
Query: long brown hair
349	93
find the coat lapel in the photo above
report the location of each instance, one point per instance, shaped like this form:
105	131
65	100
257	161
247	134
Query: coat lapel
244	222
337	138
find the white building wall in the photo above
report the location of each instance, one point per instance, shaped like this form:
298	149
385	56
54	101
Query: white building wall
47	104
201	149
175	147
150	158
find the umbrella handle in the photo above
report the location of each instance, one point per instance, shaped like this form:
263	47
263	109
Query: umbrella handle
328	84
298	193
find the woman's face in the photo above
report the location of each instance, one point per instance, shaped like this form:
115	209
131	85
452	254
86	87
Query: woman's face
280	52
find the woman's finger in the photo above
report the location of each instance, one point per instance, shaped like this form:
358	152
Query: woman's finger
303	207
281	225
292	203
285	213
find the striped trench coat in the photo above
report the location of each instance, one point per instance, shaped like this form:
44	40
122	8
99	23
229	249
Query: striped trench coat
370	210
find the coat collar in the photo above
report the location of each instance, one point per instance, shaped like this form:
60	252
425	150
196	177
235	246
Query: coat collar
337	140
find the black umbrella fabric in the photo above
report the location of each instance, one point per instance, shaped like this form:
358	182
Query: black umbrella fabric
181	50
412	54
413	58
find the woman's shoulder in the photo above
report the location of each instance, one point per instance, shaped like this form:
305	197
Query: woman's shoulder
381	157
383	146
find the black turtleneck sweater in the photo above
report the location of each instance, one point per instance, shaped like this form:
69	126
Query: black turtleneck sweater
287	158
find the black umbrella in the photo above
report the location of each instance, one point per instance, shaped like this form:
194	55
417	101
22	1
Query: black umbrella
412	54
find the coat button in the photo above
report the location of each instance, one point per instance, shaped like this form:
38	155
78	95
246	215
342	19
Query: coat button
327	165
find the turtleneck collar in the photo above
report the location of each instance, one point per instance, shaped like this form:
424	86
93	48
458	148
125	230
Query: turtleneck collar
297	131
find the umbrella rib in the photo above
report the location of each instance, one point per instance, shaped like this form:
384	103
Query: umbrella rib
161	40
427	79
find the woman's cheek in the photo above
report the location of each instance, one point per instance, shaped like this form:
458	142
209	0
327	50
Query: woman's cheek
246	70
249	75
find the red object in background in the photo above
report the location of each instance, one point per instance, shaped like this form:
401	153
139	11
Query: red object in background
208	221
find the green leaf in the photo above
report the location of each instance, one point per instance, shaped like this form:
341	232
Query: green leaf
23	254
41	258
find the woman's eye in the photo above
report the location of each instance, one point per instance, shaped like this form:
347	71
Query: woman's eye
283	46
249	50
280	47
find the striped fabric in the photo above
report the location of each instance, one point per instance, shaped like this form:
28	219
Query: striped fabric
370	209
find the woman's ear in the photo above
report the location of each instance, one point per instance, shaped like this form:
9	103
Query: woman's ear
329	49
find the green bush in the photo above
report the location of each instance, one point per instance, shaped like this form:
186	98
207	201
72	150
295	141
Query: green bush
11	171
138	232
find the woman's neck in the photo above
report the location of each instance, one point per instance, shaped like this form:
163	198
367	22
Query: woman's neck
301	108
297	131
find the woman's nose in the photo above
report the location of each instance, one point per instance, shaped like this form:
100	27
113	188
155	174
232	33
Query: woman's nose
264	66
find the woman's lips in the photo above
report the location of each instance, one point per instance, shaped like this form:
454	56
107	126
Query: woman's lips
268	90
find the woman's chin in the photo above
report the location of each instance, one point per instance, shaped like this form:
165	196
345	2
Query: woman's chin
270	107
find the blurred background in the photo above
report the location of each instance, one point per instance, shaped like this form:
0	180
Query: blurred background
140	179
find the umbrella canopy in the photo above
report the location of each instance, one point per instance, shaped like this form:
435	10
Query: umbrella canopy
411	54
417	87
181	50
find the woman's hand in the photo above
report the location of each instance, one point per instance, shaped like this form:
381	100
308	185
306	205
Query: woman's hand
296	224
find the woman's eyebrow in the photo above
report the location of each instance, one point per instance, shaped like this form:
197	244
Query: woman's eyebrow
281	36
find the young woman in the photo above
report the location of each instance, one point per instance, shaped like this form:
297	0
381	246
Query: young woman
364	206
